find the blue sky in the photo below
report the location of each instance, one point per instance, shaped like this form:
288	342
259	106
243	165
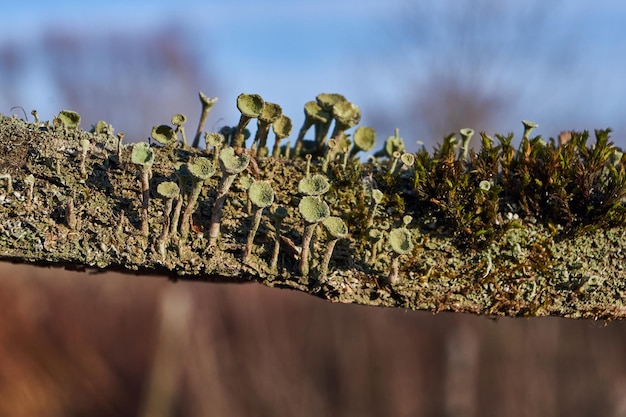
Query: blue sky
289	51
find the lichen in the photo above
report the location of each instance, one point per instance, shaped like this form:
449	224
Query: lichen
536	229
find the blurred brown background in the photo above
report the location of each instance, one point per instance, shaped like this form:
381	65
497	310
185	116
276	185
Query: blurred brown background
75	344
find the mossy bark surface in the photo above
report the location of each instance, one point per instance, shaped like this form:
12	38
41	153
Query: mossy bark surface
529	270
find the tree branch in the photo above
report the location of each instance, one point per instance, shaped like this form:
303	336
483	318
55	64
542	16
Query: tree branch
93	222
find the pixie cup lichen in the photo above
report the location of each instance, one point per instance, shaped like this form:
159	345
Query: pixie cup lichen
528	127
183	176
85	145
466	136
314	115
314	211
270	112
280	213
401	243
282	129
393	144
143	156
316	184
70	119
336	229
327	101
261	195
179	120
207	105
164	135
231	164
168	191
250	106
346	115
377	198
200	170
364	140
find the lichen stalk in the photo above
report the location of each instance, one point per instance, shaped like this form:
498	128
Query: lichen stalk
145	198
255	226
307	241
279	214
328	253
176	215
166	227
216	213
394	273
207	105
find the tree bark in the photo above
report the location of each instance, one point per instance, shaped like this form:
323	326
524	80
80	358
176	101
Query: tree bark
529	271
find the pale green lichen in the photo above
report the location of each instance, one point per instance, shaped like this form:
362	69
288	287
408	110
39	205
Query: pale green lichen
282	128
70	119
313	210
207	105
490	229
200	170
168	191
336	229
250	106
179	120
270	112
231	164
401	243
143	156
262	195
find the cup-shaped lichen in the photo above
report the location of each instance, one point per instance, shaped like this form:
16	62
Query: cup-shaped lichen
70	119
528	127
164	135
102	128
313	115
336	229
231	164
401	243
282	129
364	140
216	140
313	210
207	105
395	157
250	106
347	115
392	144
466	136
168	191
143	155
179	120
200	170
279	214
244	183
328	100
261	195
314	185
269	114
376	237
183	176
